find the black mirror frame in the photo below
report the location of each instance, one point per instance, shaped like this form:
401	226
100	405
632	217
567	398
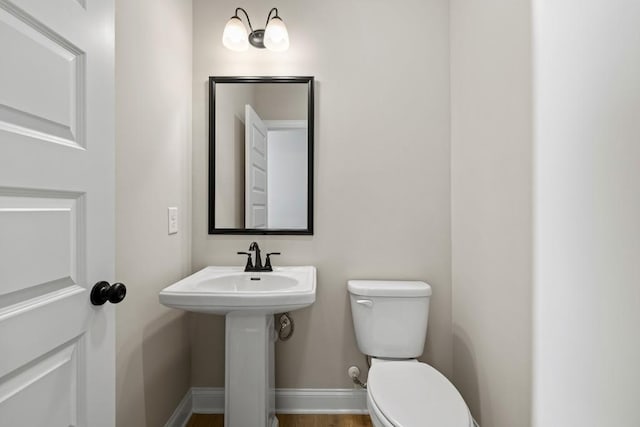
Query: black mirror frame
309	80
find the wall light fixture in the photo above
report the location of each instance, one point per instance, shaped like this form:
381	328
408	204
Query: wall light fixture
274	37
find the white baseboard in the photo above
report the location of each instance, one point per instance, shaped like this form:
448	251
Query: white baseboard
321	401
183	412
210	400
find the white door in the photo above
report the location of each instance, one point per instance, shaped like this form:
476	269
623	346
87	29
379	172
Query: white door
56	212
255	190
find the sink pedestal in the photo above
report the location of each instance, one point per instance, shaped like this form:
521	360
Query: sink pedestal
249	397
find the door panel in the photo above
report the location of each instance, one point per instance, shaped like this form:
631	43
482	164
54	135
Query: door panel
55	375
48	108
41	240
256	213
56	212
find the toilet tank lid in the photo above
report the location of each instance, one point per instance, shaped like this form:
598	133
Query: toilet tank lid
389	288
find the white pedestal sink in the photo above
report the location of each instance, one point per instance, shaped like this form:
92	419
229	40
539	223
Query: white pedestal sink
248	301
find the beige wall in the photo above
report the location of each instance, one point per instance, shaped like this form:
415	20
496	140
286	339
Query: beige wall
282	101
382	171
587	157
491	184
153	172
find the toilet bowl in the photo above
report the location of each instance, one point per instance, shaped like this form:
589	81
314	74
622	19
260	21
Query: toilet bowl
411	393
390	320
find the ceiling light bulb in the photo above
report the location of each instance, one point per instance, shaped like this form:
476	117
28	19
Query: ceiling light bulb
235	35
276	37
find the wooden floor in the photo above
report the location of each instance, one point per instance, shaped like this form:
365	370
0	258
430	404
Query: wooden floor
217	420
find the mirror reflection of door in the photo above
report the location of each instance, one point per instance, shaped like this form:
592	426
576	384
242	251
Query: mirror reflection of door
256	166
275	172
261	154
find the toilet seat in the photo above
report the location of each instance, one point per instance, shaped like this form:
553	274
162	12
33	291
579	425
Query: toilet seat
413	394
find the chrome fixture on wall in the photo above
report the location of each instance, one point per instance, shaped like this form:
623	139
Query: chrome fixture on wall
273	37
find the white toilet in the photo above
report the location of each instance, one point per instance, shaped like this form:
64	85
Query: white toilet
390	320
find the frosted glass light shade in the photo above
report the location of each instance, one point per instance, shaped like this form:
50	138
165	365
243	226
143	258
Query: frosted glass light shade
235	35
276	36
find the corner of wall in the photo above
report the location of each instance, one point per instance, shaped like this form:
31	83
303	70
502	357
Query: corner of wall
153	172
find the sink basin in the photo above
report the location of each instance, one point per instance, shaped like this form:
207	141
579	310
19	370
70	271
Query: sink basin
221	290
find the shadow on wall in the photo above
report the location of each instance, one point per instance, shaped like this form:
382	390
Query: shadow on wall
465	367
207	349
302	340
349	340
160	362
316	324
239	153
294	359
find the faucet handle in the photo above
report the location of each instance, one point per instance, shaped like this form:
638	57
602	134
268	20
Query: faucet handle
249	262
267	263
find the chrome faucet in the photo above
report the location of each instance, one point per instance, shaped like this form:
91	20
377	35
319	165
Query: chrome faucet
257	266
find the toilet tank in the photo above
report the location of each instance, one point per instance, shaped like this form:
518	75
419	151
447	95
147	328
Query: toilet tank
390	317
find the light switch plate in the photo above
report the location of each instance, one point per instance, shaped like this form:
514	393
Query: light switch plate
173	220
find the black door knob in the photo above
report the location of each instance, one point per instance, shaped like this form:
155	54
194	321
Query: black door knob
103	292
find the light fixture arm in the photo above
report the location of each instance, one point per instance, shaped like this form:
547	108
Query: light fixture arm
246	15
269	16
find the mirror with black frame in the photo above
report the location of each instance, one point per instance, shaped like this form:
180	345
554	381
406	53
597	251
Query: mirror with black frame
261	155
